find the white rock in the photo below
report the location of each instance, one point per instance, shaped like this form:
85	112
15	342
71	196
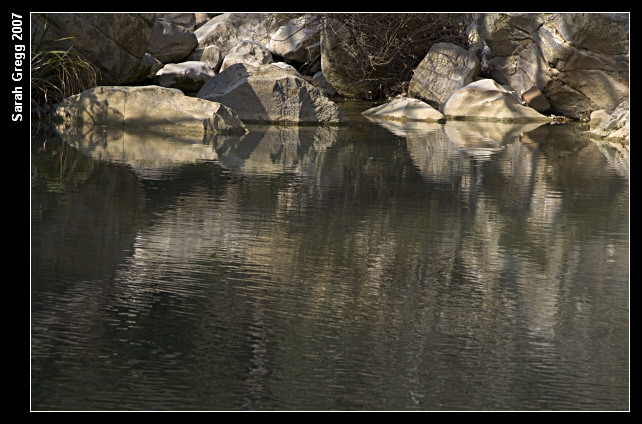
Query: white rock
186	76
406	109
487	100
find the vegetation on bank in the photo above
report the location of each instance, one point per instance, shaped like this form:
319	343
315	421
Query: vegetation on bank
56	74
387	47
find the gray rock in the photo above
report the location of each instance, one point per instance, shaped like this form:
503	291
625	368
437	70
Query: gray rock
226	30
611	126
150	107
445	69
188	77
298	40
269	93
405	109
171	43
580	61
248	52
487	100
210	55
113	43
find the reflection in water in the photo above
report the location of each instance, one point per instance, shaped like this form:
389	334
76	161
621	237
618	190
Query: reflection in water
149	154
277	149
439	267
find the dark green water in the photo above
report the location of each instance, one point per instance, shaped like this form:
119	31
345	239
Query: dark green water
458	267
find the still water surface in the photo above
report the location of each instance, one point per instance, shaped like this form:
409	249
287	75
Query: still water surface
374	267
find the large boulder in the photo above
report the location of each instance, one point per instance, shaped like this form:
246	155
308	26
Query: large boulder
405	109
298	40
339	68
579	61
445	69
226	30
271	93
115	44
487	100
248	52
150	107
171	43
188	77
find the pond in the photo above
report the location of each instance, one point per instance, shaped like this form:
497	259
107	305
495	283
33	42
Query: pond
375	267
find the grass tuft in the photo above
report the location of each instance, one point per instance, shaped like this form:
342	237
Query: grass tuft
56	74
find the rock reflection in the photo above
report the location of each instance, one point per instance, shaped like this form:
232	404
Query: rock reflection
461	261
273	149
151	154
480	139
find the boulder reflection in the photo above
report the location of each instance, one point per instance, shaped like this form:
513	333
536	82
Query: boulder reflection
152	154
446	259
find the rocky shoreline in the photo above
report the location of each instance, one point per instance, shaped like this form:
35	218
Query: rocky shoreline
216	72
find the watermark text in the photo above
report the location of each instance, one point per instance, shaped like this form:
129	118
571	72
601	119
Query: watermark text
19	62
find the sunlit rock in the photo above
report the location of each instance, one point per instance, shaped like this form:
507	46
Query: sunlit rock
405	109
445	69
150	107
248	52
227	29
298	40
611	126
580	61
188	76
487	100
271	94
533	97
210	55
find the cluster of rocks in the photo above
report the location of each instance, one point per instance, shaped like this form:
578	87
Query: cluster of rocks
518	66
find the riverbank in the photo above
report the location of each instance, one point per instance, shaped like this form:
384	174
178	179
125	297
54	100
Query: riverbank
556	71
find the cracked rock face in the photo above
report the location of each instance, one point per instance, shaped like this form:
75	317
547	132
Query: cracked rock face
150	107
271	94
114	43
579	61
445	69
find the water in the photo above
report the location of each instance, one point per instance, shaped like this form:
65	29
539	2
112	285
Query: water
375	267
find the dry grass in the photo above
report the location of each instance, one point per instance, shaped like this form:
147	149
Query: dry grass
56	74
